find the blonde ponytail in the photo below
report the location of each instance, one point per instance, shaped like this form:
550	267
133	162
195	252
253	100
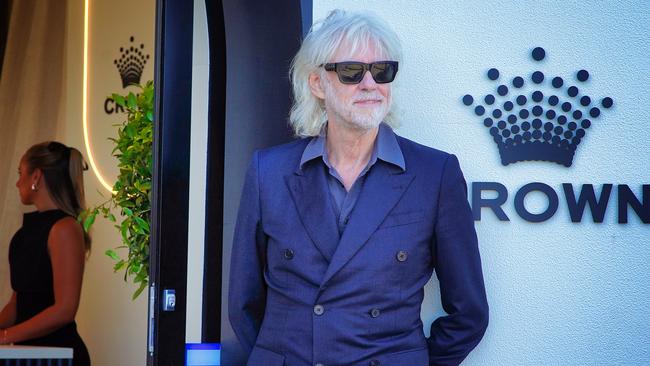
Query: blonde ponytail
62	168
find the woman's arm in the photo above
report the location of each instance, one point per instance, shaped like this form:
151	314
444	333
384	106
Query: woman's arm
8	313
66	248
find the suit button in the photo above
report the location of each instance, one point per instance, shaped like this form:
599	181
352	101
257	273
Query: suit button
288	254
345	221
319	309
402	255
375	313
374	363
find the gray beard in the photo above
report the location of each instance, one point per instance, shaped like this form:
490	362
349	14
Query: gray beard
353	119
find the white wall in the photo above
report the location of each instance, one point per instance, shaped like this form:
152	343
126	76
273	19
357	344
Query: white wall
560	293
113	326
198	161
108	319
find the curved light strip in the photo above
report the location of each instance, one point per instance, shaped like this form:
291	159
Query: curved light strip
93	165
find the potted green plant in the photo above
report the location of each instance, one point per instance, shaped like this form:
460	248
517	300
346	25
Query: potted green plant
131	195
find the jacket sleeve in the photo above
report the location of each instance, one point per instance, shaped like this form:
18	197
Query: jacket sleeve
247	289
458	268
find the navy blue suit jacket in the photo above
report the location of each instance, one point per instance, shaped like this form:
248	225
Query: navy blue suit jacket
294	301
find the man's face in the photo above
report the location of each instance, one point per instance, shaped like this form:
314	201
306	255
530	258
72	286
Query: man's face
359	106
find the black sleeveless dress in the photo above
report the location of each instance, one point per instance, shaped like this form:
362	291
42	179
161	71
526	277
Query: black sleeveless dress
31	279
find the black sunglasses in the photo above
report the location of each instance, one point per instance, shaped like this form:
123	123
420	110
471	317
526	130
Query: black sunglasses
352	72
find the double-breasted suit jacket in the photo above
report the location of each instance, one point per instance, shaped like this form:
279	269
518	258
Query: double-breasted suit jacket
301	294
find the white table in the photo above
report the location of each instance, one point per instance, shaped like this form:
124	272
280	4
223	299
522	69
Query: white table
35	356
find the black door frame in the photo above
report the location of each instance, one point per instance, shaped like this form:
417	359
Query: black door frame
214	190
171	161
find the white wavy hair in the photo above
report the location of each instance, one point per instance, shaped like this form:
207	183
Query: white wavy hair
354	30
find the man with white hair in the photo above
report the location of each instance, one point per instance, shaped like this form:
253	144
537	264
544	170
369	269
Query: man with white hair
339	231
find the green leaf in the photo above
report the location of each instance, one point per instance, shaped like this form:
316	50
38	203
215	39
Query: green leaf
142	224
111	253
89	220
132	148
119	100
124	231
130	131
119	265
131	101
141	276
137	292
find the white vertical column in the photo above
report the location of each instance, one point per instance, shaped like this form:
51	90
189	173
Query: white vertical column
198	159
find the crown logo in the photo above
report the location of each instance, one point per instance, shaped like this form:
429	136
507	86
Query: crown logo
131	63
532	120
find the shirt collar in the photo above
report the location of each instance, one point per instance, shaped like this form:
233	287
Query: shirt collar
386	148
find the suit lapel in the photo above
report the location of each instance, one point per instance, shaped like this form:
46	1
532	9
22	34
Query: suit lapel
310	194
383	188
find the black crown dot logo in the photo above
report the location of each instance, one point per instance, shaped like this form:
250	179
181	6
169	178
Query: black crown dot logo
532	120
131	63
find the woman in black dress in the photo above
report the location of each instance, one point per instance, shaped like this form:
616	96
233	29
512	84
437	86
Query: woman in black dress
47	254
